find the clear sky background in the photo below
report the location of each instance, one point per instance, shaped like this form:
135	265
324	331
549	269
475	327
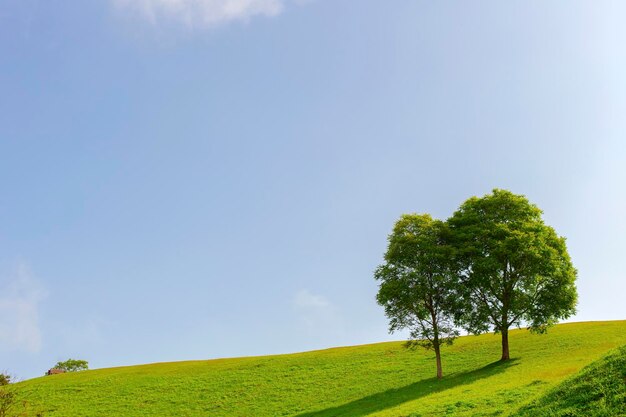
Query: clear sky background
192	179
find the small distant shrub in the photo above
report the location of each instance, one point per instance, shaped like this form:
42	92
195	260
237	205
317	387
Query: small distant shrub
13	403
12	406
8	401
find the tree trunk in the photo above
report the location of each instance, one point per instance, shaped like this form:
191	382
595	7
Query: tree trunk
505	345
438	356
436	343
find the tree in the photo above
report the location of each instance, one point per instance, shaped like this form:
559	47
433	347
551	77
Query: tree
512	267
5	379
415	283
72	365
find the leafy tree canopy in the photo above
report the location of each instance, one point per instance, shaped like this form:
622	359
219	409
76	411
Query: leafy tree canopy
512	267
416	283
72	365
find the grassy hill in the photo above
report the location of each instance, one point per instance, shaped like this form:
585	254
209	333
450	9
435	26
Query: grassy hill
599	390
382	379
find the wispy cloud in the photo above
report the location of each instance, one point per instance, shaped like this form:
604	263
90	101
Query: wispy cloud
20	296
305	300
200	13
319	318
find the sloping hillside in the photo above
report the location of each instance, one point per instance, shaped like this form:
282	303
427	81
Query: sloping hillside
381	379
599	390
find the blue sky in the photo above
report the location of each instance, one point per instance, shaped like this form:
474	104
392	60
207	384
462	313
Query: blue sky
195	179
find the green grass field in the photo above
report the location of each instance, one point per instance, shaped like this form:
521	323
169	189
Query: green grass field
599	390
383	379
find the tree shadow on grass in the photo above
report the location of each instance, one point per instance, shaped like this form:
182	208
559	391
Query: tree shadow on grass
394	397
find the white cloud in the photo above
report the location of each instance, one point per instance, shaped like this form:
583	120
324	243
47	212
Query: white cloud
305	300
318	318
200	13
20	297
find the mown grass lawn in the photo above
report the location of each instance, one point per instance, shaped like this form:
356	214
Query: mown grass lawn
382	379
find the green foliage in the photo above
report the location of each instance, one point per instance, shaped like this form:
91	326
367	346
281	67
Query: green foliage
8	401
416	283
72	365
13	404
383	379
599	390
514	269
